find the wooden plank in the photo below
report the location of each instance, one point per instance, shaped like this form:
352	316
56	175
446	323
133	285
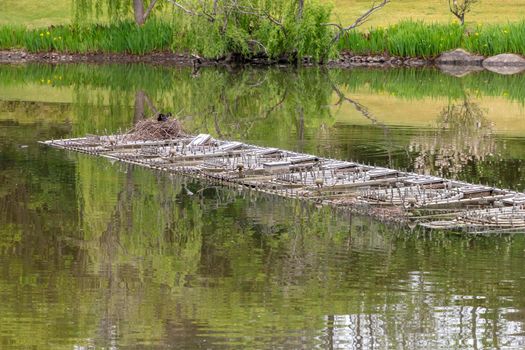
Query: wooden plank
200	140
303	159
423	180
229	146
517	199
276	166
339	165
381	173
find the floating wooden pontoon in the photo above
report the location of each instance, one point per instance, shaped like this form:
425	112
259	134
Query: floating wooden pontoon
428	201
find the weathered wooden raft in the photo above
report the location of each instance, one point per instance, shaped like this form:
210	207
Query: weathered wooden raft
423	200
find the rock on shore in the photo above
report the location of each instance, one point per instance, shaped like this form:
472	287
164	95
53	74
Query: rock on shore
459	57
505	64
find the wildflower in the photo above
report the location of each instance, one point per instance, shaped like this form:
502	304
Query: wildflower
48	81
59	38
48	33
41	80
41	34
477	34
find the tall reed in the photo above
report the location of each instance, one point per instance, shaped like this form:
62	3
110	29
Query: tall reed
418	39
307	38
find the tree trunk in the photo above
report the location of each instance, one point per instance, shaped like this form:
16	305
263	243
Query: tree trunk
300	6
138	8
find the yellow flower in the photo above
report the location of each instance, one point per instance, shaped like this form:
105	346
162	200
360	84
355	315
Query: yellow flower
48	33
41	80
59	38
41	34
477	34
505	31
48	81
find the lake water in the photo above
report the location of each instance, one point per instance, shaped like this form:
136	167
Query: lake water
95	255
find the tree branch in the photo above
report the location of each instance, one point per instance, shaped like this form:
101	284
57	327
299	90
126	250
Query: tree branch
148	10
249	10
189	12
358	106
359	21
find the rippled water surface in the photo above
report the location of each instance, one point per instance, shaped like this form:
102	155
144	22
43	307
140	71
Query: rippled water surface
95	255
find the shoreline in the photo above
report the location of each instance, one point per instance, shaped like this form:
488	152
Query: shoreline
456	63
347	60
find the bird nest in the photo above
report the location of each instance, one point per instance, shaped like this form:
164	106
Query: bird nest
151	130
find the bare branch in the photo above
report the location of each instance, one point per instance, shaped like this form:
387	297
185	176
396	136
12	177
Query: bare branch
340	27
358	106
211	17
460	8
189	12
148	10
359	21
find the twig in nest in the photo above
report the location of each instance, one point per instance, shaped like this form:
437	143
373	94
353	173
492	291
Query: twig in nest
148	130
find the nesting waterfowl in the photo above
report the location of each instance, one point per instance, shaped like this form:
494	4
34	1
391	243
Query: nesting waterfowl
163	117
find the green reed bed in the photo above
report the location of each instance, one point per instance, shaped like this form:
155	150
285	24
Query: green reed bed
418	39
246	35
120	37
309	38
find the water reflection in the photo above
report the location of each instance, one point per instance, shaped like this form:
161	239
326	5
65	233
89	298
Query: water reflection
463	135
95	254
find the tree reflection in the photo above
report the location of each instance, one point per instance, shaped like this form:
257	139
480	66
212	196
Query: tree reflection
94	253
463	135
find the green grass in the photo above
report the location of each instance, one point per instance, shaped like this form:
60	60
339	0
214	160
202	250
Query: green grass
34	13
120	37
182	33
405	39
417	29
418	39
429	11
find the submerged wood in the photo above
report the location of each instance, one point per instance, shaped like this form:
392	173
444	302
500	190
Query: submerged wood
428	201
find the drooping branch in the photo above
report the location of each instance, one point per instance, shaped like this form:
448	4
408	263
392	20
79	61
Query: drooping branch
359	21
249	10
228	8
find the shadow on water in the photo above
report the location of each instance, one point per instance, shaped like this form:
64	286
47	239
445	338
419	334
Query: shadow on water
101	255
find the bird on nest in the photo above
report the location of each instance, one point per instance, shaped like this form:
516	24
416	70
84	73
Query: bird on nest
163	117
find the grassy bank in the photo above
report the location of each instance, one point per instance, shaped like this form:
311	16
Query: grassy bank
429	11
418	39
405	39
31	12
247	36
